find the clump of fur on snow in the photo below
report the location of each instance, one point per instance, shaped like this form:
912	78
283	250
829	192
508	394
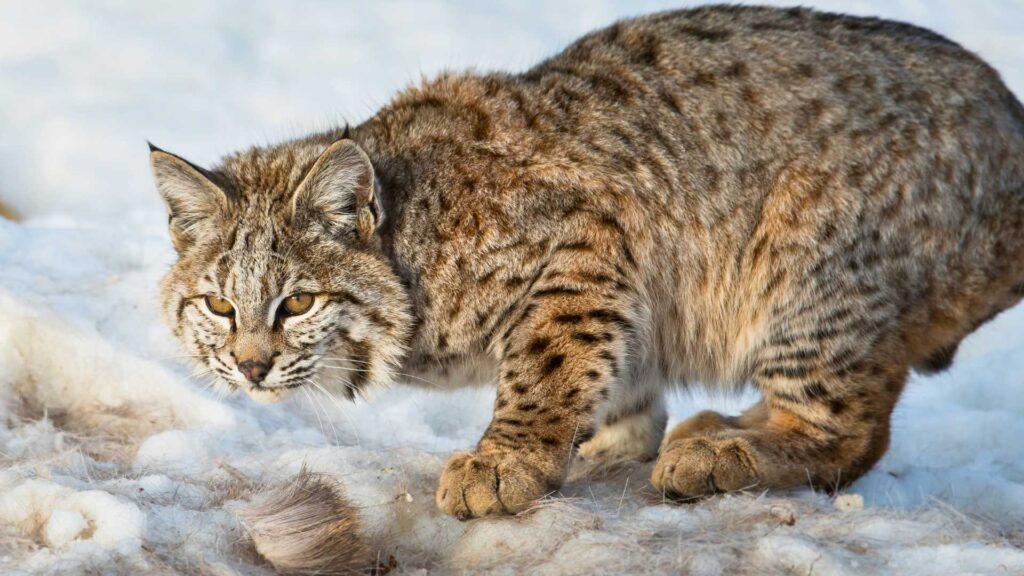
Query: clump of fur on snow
306	525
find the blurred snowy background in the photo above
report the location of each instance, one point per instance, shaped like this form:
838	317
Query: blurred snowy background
112	460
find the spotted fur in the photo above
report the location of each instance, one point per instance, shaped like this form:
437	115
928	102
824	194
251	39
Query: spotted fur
810	202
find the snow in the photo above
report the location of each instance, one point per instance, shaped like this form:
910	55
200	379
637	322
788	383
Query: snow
87	524
63	527
114	460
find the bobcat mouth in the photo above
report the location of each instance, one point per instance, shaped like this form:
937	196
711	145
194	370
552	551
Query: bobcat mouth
264	395
347	380
261	392
286	386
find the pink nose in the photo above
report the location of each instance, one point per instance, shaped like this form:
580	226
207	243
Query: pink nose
254	371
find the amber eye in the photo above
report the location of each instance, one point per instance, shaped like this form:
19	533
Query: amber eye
219	306
297	304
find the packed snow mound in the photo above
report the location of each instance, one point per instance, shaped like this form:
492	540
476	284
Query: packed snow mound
115	460
63	516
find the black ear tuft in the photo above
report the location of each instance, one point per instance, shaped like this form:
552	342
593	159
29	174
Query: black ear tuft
347	133
153	147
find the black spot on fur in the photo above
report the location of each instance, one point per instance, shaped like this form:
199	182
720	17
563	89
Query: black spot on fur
556	291
596	278
791	372
837	315
815	391
481	319
488	275
538	345
554	363
773	283
608	316
704	78
939	361
704	34
798	355
786	397
838	406
737	70
568	318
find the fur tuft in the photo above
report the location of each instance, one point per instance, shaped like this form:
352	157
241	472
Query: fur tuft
307	526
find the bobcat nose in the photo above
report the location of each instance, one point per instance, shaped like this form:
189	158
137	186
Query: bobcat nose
254	371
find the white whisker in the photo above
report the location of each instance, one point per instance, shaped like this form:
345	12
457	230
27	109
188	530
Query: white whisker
313	398
315	412
334	400
351	360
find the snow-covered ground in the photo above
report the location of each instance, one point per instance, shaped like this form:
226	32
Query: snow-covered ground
112	460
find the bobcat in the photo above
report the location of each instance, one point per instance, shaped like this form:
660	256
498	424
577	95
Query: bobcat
809	202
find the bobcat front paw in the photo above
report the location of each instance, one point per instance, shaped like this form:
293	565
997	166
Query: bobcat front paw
473	486
705	465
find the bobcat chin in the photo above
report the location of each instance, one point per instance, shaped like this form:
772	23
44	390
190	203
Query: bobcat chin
808	202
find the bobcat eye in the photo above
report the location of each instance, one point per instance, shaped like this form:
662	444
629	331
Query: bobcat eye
297	304
219	306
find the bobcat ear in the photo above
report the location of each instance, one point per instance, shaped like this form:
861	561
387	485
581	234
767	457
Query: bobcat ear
338	193
193	201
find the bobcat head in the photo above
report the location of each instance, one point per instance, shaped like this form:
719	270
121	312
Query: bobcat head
280	280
